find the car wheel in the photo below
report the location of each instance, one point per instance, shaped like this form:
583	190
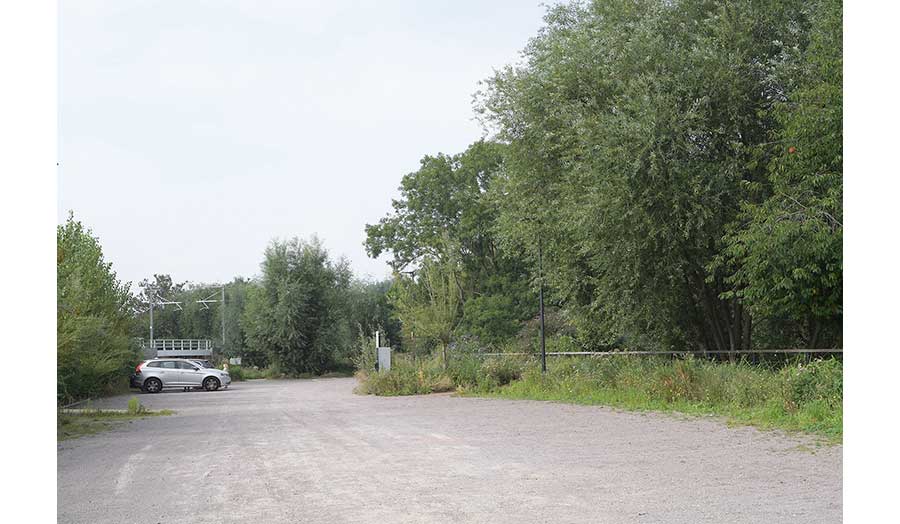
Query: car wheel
211	384
153	385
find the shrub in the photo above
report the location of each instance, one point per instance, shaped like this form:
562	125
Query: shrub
407	376
501	371
236	372
464	369
817	381
364	354
135	407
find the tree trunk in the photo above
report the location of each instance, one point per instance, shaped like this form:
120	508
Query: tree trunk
748	330
814	328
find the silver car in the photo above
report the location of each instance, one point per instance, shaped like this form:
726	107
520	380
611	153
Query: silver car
154	375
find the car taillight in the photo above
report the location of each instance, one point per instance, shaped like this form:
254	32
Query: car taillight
138	368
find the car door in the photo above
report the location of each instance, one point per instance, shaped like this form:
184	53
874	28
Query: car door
190	374
169	373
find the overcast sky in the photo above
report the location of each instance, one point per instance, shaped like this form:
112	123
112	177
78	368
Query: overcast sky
192	133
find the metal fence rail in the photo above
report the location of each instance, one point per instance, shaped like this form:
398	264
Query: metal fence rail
169	347
701	353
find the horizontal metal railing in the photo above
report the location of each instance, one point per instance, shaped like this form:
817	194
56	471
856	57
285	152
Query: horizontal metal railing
623	353
174	346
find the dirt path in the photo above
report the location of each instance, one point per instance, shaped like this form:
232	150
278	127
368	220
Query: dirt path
310	451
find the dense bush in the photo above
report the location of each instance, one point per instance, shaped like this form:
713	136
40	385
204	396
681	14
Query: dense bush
407	376
241	373
94	353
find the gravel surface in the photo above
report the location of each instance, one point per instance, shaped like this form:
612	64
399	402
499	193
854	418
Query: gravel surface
310	451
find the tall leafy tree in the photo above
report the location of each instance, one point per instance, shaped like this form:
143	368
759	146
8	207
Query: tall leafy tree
369	310
446	218
635	132
168	321
443	198
297	315
93	316
786	250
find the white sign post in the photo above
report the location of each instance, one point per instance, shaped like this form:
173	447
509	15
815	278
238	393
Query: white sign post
383	355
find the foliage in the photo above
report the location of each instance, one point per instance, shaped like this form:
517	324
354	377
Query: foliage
428	305
297	315
364	353
192	319
796	395
444	222
93	350
790	398
443	199
786	253
237	373
407	376
135	407
637	133
371	311
75	424
410	375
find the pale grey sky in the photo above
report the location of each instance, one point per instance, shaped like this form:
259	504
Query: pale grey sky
193	132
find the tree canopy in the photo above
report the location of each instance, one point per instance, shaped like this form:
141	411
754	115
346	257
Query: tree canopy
93	311
638	135
297	313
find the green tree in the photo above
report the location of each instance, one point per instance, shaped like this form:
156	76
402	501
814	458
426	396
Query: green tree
369	310
93	316
297	315
636	130
168	321
428	304
786	250
445	213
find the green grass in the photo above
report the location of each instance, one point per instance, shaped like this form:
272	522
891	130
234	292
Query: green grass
75	424
798	396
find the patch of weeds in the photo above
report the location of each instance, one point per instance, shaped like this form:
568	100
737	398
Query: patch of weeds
797	397
78	423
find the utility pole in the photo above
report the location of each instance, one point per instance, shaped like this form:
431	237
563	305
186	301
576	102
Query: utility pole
541	298
221	302
162	302
151	320
223	319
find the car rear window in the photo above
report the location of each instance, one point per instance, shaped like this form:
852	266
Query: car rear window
168	364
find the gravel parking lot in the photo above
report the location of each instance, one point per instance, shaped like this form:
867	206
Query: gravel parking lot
311	451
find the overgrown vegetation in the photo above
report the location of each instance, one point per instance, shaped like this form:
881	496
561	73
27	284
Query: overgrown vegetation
798	395
298	317
670	171
93	309
78	423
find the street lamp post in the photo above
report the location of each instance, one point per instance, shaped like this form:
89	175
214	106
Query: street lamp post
541	299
